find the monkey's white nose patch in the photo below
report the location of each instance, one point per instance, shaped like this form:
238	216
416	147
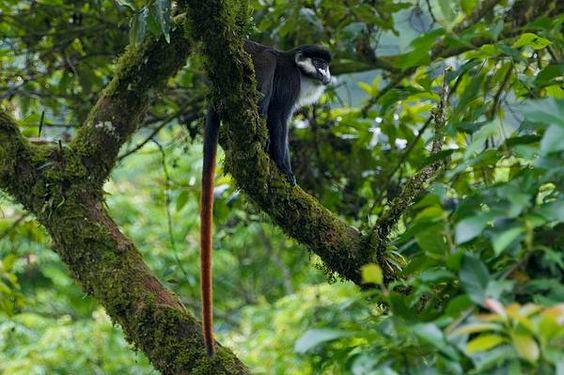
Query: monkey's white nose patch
307	65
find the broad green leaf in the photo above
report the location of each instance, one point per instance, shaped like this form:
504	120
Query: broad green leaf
138	25
470	228
434	275
182	200
531	40
552	140
432	240
457	306
474	277
475	328
162	8
549	111
526	347
424	42
395	95
553	210
502	240
488	130
126	3
315	337
447	10
549	74
4	289
483	342
412	58
496	288
365	87
371	273
468	5
431	334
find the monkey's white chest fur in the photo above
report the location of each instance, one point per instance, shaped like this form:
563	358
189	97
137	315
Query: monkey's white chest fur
310	92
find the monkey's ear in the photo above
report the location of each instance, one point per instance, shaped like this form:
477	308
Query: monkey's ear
299	57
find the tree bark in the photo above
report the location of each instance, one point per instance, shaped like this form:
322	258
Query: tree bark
62	187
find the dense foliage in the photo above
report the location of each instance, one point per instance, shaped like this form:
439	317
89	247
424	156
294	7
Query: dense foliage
480	256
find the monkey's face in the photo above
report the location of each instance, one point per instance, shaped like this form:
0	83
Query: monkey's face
315	66
322	70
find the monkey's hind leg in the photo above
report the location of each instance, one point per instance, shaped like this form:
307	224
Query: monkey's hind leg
277	149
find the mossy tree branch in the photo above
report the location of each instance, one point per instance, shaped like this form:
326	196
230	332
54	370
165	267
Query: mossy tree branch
61	185
16	173
123	104
415	185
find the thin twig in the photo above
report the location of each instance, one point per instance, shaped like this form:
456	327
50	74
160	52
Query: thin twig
430	9
146	140
415	184
167	207
497	96
287	275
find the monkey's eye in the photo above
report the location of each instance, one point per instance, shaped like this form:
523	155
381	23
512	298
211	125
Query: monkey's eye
318	63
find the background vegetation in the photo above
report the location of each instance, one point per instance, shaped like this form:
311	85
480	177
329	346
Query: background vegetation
480	254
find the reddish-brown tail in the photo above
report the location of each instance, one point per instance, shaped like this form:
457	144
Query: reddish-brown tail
211	132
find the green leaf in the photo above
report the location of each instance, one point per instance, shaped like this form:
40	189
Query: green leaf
549	74
182	200
162	8
138	24
126	3
531	40
479	138
474	277
502	240
468	5
412	58
434	275
526	347
431	334
470	228
395	95
365	87
315	337
447	10
482	343
424	42
549	111
553	210
371	273
552	140
432	239
475	328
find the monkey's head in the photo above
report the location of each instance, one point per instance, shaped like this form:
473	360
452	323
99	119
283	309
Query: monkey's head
313	62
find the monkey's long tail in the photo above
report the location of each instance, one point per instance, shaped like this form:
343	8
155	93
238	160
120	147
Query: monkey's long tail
211	132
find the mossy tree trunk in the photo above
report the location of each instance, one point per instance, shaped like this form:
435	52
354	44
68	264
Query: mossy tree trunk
62	187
